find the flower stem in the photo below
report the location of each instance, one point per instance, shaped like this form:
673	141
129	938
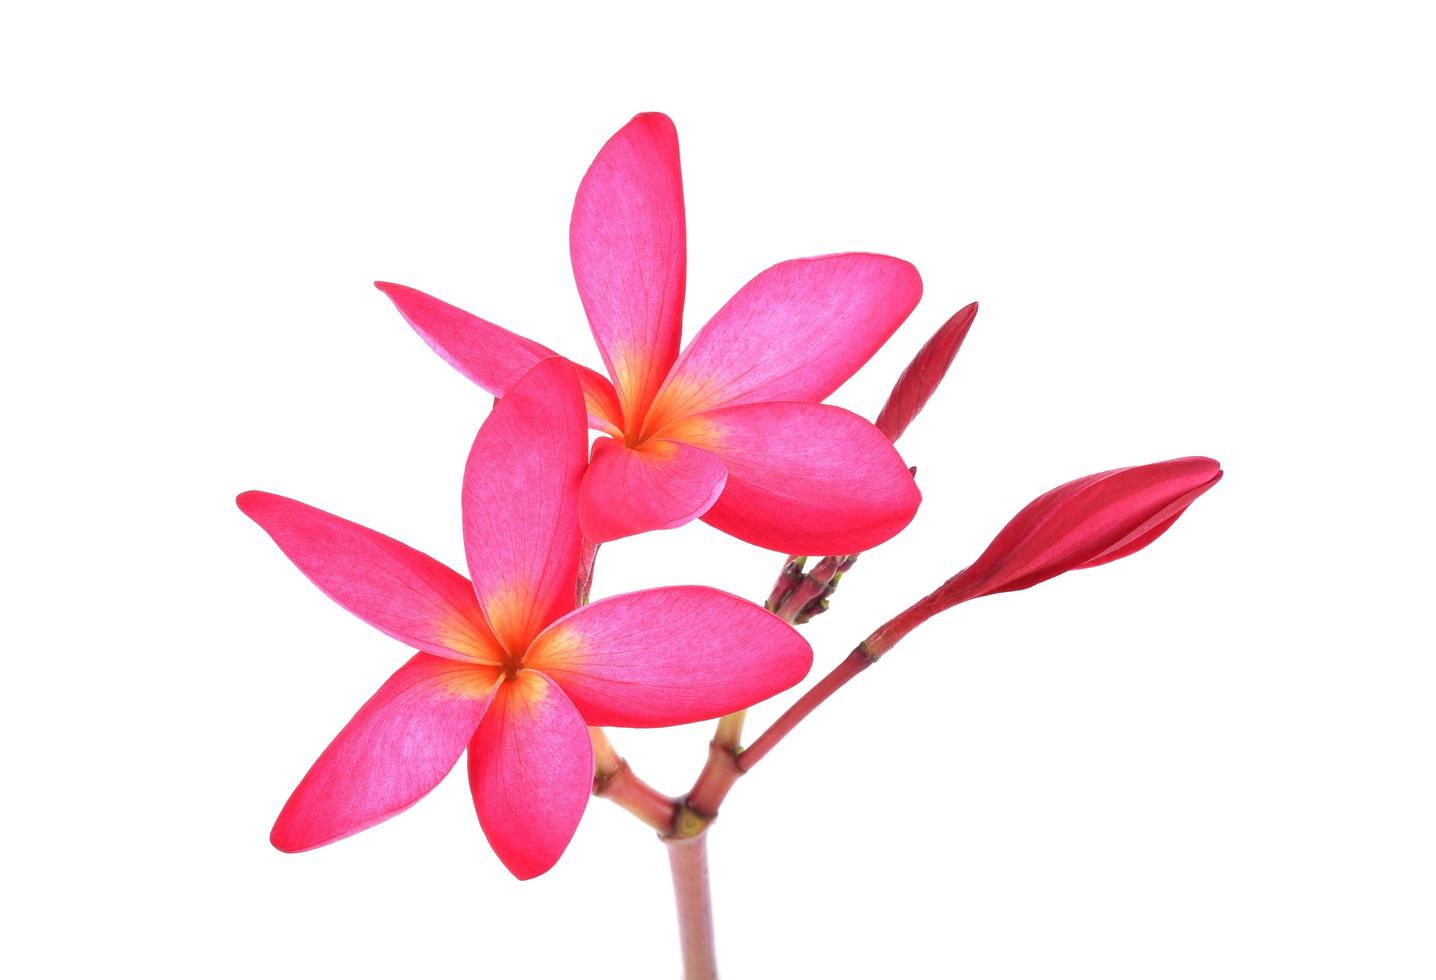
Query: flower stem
852	665
614	780
688	859
803	600
726	765
796	598
789	577
717	778
730	729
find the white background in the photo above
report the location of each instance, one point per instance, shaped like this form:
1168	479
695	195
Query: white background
1204	229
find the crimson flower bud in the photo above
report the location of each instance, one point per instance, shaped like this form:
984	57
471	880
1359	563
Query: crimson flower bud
1090	521
921	378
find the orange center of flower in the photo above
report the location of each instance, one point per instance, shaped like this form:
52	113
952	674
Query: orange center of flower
667	423
676	401
512	664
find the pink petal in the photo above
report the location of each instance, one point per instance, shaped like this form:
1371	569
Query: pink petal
410	596
530	770
486	354
669	656
1136	542
490	356
628	245
659	485
401	743
921	378
794	333
520	503
804	479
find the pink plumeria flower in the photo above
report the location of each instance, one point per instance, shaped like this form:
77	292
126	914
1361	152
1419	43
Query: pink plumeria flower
509	668
730	430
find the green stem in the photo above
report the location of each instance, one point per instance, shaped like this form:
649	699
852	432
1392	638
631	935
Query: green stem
730	729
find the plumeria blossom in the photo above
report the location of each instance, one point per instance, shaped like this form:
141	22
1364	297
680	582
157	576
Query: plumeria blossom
731	428
509	668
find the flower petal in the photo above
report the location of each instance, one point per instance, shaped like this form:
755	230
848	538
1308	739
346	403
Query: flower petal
530	770
490	356
401	743
659	485
629	251
405	593
794	333
669	656
485	353
520	503
804	479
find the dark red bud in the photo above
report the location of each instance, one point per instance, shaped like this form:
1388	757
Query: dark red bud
1090	521
921	378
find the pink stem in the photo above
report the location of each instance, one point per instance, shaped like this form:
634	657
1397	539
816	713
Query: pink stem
726	765
688	859
790	576
808	588
854	664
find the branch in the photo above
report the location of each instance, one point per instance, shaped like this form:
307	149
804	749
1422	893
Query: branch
614	780
724	768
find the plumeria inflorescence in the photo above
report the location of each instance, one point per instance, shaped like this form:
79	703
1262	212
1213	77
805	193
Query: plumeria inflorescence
517	668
